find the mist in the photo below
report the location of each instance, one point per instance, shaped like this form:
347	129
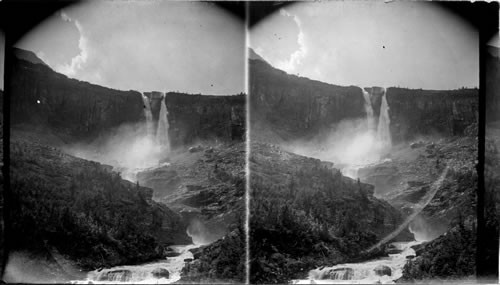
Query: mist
26	267
350	143
202	234
129	149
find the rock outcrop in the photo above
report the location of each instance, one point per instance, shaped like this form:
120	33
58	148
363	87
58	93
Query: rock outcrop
223	261
195	183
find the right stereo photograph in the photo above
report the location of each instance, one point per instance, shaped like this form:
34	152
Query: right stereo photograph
369	126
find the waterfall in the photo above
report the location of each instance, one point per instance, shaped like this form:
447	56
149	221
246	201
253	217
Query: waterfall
383	130
162	132
148	115
370	119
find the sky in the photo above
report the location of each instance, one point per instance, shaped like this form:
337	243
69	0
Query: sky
148	45
402	43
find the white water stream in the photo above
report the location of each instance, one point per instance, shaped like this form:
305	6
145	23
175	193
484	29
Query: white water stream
144	273
162	137
149	116
364	272
383	130
377	140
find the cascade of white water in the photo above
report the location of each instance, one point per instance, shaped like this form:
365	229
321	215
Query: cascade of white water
148	115
383	270
383	131
370	119
160	272
162	132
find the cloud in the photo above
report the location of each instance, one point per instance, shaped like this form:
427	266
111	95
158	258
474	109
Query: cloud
77	62
192	47
407	44
296	57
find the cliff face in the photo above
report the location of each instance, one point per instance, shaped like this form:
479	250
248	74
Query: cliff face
202	117
293	107
80	110
427	112
296	107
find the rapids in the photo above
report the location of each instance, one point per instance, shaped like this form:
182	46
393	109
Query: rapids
364	272
144	273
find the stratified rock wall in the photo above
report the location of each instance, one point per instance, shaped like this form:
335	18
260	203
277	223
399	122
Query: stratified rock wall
296	107
292	107
194	118
431	112
80	110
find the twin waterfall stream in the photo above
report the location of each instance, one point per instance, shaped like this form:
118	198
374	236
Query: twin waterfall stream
378	132
160	135
382	270
164	271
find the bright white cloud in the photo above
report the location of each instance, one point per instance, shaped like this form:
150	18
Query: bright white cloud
370	43
192	47
77	63
296	57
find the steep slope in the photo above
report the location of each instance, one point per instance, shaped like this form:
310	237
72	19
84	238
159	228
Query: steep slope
206	185
437	180
84	210
305	214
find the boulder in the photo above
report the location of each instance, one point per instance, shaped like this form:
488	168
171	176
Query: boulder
392	250
195	148
160	273
417	144
382	270
171	254
120	275
196	252
339	274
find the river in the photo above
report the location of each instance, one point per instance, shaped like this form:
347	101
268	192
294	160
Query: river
148	273
364	272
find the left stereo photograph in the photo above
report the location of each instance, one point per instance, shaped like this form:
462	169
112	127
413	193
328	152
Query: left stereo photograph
127	144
